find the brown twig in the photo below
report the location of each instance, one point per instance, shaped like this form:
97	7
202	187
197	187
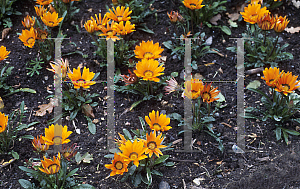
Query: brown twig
254	71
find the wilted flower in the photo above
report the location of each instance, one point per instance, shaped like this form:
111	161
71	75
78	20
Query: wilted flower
41	34
281	23
133	152
253	12
50	137
131	79
266	22
119	14
3	122
149	69
153	144
69	151
3	53
28	37
118	166
63	65
51	167
82	81
51	9
193	4
172	86
39	144
175	17
51	19
148	50
158	122
115	2
40	10
28	22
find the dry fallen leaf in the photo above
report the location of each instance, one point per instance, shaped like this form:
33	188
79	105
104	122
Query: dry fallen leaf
46	107
214	19
5	33
162	59
292	29
209	64
218	52
90	10
88	110
198	76
233	16
1	104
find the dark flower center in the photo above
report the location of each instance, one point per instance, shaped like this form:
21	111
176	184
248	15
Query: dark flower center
133	155
148	55
151	145
148	73
53	168
119	165
30	40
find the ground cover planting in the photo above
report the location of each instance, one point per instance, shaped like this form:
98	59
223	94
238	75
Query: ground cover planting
149	94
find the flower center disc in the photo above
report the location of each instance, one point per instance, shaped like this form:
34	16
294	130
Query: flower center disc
53	168
206	96
151	145
120	18
57	140
133	155
148	55
30	40
156	125
193	5
148	73
285	87
119	165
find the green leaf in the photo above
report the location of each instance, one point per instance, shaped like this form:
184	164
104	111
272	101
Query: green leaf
25	183
155	172
27	90
253	84
260	92
135	104
292	132
232	23
137	179
127	134
72	172
221	98
143	123
28	170
168	44
170	164
109	156
84	186
15	154
149	176
278	133
92	127
161	159
80	98
226	30
174	74
131	169
285	136
28	137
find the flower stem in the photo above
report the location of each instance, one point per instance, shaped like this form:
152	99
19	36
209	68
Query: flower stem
274	46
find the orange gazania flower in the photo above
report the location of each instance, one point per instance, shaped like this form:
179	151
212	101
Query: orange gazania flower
28	37
148	50
175	16
122	29
252	12
287	83
51	167
193	88
209	93
91	26
44	2
149	70
119	14
133	152
266	22
118	165
40	10
158	122
281	23
270	76
100	22
193	4
153	144
3	53
82	81
51	19
28	22
3	122
50	133
39	144
108	32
